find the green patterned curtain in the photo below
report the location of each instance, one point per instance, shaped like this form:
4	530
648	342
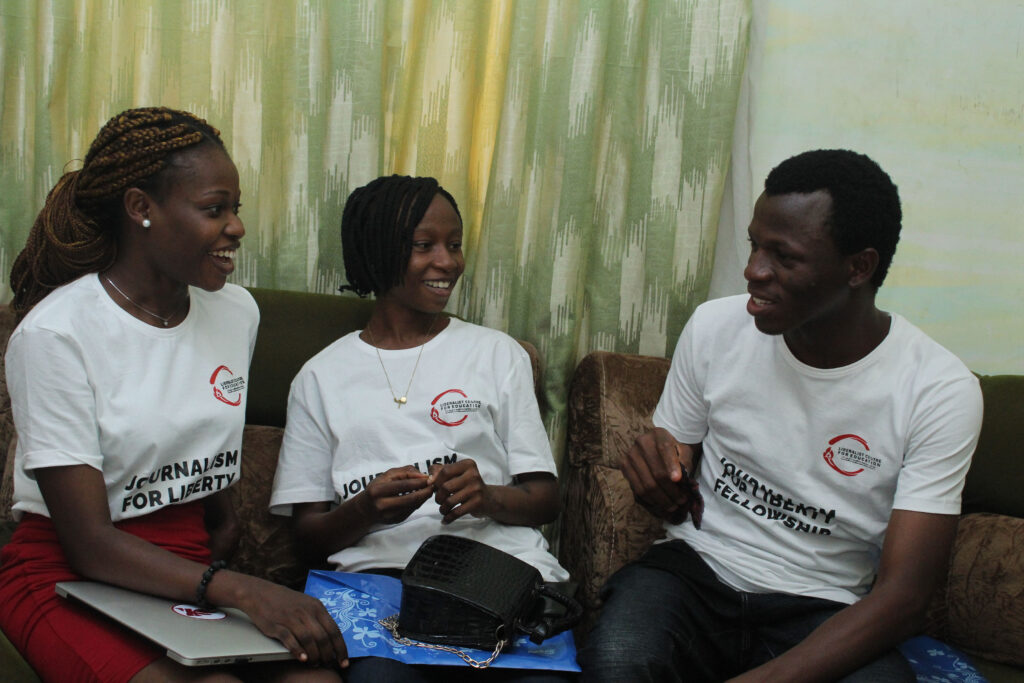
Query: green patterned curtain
586	141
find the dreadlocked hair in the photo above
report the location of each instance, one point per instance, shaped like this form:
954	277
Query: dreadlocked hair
76	231
865	203
377	227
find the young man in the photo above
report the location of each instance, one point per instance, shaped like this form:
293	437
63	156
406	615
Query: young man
829	440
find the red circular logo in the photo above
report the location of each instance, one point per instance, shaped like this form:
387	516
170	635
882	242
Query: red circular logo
435	414
229	382
830	456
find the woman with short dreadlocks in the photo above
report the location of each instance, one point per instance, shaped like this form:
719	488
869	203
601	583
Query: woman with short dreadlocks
421	423
127	380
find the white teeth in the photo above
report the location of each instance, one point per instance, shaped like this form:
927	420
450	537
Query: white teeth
759	302
224	253
439	284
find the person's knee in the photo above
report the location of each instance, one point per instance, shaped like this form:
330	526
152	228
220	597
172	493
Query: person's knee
614	652
632	639
614	664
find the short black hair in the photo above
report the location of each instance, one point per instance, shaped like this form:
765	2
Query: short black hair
865	202
377	226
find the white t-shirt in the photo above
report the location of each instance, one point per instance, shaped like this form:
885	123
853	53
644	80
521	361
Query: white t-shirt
159	411
802	467
472	396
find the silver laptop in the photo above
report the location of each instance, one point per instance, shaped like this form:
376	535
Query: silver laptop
191	636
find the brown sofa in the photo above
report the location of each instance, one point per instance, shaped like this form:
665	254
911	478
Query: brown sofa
980	610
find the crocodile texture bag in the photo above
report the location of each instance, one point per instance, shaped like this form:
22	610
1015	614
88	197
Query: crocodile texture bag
463	593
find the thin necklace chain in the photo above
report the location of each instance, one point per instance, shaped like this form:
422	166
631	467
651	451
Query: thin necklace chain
166	321
404	398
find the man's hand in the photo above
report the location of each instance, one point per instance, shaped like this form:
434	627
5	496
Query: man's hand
659	469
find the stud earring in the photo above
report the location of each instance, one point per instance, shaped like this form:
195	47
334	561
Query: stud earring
146	223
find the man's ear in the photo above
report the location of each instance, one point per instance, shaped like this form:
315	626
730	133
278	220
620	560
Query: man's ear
136	205
862	266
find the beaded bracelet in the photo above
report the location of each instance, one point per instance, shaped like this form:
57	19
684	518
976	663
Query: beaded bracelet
205	581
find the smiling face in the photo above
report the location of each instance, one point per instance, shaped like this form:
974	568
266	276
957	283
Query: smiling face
797	279
195	229
436	261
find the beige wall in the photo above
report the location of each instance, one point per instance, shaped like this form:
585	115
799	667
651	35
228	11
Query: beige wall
934	91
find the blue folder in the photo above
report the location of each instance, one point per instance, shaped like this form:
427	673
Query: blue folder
358	601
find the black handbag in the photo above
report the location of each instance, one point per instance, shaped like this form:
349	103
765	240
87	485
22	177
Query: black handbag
457	592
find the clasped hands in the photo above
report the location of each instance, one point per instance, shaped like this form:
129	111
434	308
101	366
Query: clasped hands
660	470
457	488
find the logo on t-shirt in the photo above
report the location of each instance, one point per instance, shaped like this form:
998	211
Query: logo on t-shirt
227	387
850	449
448	410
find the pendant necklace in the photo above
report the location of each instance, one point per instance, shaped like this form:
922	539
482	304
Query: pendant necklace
404	398
166	321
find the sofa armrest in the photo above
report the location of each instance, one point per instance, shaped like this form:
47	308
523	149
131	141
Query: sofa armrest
980	609
603	528
611	399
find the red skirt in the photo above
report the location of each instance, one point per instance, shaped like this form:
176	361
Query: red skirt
65	641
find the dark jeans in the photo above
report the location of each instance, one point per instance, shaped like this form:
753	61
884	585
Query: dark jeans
383	670
667	617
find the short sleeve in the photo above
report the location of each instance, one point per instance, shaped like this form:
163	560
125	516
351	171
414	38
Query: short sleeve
52	400
682	409
304	466
518	421
944	433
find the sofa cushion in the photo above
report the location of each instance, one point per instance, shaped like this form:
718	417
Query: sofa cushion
996	478
7	325
266	549
7	523
606	530
985	589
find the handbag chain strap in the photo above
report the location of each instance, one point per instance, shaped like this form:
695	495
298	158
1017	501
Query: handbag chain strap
391	624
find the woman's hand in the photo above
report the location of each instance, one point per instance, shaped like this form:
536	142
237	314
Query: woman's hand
460	490
389	499
394	495
531	499
299	621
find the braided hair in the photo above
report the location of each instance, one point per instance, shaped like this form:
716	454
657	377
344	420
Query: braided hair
865	202
377	227
76	231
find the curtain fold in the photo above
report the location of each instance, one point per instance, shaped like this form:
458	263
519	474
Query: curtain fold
587	142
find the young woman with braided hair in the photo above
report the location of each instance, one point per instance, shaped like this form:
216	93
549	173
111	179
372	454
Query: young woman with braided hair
125	450
418	406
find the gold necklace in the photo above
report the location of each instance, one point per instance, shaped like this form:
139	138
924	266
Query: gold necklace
166	321
404	398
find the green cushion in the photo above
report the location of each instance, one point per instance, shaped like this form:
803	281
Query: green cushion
294	326
996	478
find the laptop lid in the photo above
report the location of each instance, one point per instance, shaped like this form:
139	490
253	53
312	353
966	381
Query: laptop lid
191	636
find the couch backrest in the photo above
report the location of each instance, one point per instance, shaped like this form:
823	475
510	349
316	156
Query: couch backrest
294	326
996	478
